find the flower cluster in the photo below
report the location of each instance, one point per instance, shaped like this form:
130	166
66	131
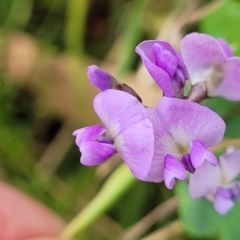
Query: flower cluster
171	141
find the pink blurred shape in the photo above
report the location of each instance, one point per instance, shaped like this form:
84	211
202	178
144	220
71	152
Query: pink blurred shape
22	217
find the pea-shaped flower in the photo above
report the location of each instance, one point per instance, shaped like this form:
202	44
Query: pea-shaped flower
127	131
183	132
210	62
104	81
218	184
165	65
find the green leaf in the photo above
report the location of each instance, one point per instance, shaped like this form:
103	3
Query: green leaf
230	224
229	111
5	8
200	219
224	23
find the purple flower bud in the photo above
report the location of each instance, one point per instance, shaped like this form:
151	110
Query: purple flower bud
100	78
104	81
165	66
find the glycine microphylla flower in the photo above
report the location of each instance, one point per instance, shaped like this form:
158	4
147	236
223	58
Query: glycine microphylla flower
165	66
210	61
100	78
218	183
183	131
127	131
104	81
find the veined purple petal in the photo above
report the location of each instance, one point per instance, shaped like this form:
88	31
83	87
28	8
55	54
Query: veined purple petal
127	123
165	65
165	59
186	160
90	133
161	147
100	79
94	153
204	180
230	164
199	153
223	201
181	66
187	121
176	123
118	111
200	52
229	88
227	50
161	77
173	168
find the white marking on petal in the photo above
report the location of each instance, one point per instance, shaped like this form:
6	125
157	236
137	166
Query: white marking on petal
212	75
113	129
181	141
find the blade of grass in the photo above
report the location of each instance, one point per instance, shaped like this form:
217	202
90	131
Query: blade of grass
75	25
159	213
131	35
116	185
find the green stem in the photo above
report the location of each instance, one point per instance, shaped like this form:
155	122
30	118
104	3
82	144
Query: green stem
116	185
132	35
75	25
74	36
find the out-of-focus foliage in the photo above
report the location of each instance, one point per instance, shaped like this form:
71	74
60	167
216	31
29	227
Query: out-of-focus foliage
199	217
223	23
45	48
201	220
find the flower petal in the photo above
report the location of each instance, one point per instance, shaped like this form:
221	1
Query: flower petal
199	53
161	77
173	168
230	164
223	201
226	48
94	153
229	87
100	79
163	145
90	133
199	153
187	121
205	180
128	125
165	59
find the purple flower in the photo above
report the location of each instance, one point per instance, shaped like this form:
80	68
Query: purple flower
100	78
210	61
127	131
104	81
183	131
217	183
165	66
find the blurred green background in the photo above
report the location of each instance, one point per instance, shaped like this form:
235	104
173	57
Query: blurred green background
45	48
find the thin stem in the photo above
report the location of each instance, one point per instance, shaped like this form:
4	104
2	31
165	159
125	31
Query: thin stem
75	25
131	35
198	92
173	230
157	214
117	184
